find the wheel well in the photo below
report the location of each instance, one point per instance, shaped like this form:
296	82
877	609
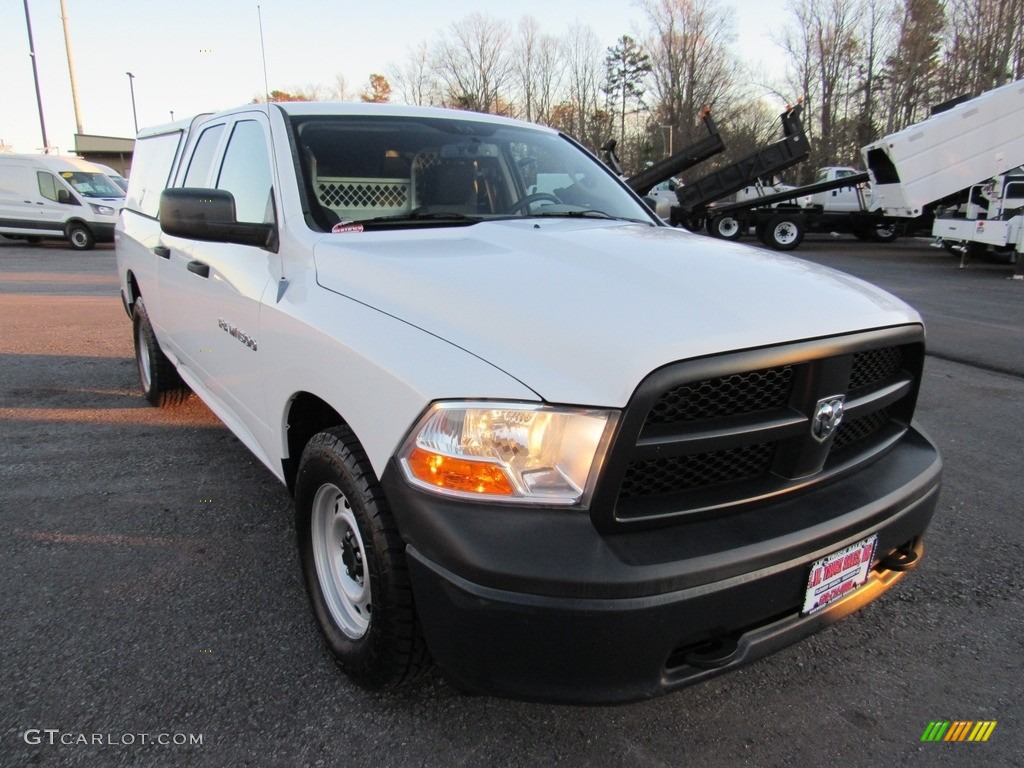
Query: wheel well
133	291
307	416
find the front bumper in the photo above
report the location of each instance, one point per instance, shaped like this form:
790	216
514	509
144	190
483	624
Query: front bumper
537	604
103	233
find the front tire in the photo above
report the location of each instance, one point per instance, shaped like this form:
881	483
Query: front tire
80	236
353	563
161	384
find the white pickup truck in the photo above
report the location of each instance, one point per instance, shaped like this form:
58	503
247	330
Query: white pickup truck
534	435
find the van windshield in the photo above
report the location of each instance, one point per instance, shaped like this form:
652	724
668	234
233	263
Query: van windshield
91	184
391	171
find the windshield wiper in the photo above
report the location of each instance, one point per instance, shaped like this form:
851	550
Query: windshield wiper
587	214
402	218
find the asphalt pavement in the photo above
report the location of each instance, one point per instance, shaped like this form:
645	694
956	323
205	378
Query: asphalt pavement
152	610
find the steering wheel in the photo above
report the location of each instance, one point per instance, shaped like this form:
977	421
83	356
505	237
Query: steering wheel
526	202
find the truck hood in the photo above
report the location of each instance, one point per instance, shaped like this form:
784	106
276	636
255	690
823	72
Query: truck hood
581	311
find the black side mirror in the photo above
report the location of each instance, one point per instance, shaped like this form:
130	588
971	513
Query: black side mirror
209	214
63	196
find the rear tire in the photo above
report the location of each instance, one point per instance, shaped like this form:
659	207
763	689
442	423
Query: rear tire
725	227
884	233
80	236
784	232
353	563
161	384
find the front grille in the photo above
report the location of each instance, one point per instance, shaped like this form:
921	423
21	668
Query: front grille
854	430
724	396
705	436
874	366
658	476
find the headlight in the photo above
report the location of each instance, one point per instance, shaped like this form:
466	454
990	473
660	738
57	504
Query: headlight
103	210
508	452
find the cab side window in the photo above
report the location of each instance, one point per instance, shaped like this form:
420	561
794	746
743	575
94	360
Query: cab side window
202	157
47	185
245	173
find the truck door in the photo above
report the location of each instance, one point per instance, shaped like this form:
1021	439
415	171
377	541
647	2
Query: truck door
844	199
57	203
221	284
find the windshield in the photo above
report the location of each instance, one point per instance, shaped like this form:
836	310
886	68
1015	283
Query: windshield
91	184
395	171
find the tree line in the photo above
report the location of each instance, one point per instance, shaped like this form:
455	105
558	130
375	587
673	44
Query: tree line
861	68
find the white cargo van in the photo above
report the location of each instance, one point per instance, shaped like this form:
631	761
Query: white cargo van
54	196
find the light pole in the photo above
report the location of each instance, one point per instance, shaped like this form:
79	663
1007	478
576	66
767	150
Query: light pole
35	76
669	138
131	84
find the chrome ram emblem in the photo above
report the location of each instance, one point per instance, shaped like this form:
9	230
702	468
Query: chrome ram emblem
828	415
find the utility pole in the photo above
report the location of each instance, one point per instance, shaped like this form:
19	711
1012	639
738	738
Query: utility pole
71	65
35	76
131	84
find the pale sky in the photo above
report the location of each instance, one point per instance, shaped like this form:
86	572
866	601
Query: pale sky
191	56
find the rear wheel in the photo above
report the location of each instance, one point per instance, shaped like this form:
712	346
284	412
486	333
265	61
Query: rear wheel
783	232
161	384
353	562
694	223
80	236
885	233
726	227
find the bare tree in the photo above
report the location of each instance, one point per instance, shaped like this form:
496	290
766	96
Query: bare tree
823	45
581	114
911	71
537	71
472	64
415	81
692	66
985	45
340	90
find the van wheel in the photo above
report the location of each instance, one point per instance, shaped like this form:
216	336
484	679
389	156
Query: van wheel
161	384
353	563
80	236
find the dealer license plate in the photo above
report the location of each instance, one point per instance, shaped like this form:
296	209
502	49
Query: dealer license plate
835	576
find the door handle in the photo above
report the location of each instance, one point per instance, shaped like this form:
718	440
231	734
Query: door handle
199	268
162	251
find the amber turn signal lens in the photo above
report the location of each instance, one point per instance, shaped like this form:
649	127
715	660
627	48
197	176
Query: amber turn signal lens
459	474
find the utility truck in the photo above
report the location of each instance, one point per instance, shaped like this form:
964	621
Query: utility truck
961	157
955	163
837	201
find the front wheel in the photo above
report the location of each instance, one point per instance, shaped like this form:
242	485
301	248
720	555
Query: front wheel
353	563
80	236
783	233
161	384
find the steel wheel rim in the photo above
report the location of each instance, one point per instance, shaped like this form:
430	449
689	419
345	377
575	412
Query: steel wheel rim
142	355
784	233
78	237
728	227
340	558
